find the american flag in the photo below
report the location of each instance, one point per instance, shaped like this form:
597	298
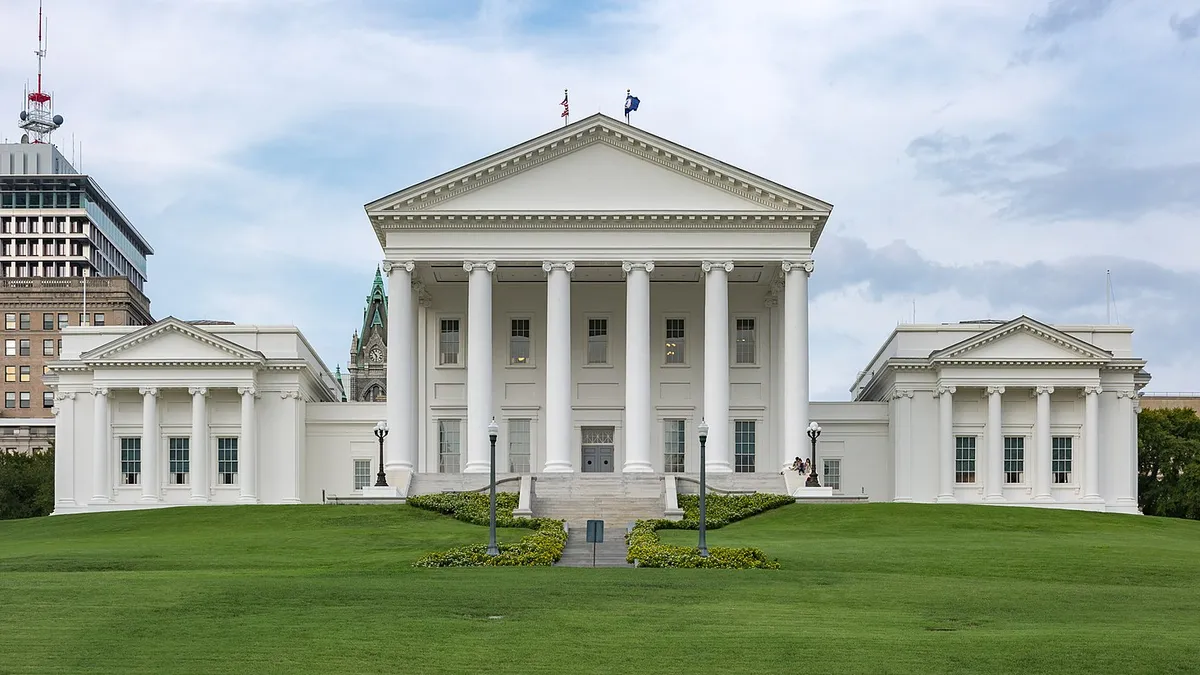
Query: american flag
566	107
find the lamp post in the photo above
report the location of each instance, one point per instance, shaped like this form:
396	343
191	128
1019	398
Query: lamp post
492	549
381	432
814	430
703	429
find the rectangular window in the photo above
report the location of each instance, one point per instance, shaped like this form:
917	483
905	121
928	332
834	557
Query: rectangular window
744	342
47	347
964	459
227	460
10	321
63	320
362	473
25	373
26	323
47	321
47	399
10	373
98	319
449	343
833	474
519	342
25	347
10	399
25	399
518	446
131	461
10	347
178	460
1014	459
743	446
597	344
676	341
448	446
673	445
1060	459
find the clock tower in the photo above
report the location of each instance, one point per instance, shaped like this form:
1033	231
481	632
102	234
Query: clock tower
367	368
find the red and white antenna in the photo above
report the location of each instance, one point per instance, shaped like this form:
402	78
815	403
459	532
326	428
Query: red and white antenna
38	117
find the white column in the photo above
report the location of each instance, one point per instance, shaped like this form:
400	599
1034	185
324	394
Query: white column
198	460
637	366
399	451
64	449
946	444
716	364
558	366
795	357
151	469
248	448
479	364
1132	468
101	433
1091	443
995	443
1042	464
903	440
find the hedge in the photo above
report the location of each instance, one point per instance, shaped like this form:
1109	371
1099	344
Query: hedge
646	549
26	484
543	547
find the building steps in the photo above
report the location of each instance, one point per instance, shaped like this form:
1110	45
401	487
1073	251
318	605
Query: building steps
612	552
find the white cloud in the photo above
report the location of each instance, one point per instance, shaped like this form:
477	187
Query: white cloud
243	136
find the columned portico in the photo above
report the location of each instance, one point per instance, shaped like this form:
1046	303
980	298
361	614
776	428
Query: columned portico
198	447
400	367
637	366
150	455
795	357
559	443
479	364
716	364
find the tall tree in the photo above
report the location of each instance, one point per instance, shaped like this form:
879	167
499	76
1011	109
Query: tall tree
1169	462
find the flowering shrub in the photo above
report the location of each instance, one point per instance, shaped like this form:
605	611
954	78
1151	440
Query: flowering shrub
647	550
543	547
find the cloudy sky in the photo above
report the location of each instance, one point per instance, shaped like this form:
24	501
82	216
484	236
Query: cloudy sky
986	158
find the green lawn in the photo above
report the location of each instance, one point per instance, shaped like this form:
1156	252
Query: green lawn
875	588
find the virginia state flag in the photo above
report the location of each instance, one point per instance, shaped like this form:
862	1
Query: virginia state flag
631	103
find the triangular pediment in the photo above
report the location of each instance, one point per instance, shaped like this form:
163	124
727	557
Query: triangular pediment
172	341
599	165
1022	339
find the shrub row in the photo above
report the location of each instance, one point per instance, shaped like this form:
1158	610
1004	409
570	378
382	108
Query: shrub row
543	547
647	550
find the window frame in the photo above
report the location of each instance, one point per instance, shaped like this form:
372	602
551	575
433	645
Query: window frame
825	473
733	340
47	399
25	401
674	439
753	454
511	435
25	321
25	347
461	357
663	355
1014	456
10	373
47	320
529	361
443	443
10	347
172	463
586	333
960	459
10	321
10	400
126	477
98	319
48	347
355	464
1055	461
219	476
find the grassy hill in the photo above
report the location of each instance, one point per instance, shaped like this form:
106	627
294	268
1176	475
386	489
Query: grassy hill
878	588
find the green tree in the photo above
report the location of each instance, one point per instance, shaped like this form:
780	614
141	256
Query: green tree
1169	463
26	484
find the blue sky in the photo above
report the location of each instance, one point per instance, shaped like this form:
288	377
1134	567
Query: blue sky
985	159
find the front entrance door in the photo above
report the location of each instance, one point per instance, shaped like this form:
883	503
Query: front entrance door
596	453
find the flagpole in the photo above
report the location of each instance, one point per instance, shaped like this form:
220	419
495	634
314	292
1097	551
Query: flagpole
628	93
566	113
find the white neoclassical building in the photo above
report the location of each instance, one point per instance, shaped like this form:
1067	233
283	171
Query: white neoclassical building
597	291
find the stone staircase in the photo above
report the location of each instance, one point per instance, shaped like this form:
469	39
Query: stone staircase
610	553
617	500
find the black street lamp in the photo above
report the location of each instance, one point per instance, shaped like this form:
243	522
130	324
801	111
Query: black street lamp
703	429
381	432
493	549
814	430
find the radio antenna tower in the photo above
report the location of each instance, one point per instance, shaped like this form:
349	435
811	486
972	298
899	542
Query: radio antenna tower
38	117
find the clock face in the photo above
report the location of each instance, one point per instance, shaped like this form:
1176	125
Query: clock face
376	354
